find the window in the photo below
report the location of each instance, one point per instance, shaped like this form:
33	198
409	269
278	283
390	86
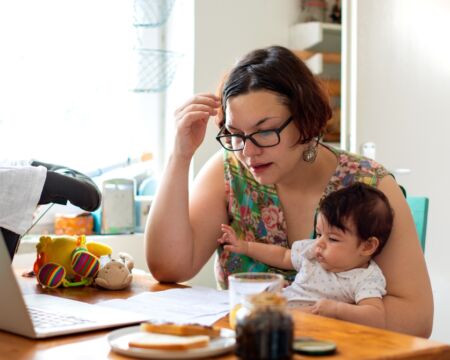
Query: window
66	73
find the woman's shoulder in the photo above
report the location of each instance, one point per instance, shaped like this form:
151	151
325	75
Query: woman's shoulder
353	167
212	171
214	163
346	159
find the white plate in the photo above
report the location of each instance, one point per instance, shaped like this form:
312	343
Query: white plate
119	339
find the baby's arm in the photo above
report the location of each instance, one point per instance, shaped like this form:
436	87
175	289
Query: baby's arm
272	255
368	311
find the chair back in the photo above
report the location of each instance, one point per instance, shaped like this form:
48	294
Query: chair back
419	210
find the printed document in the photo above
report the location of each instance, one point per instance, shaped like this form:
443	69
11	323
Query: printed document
198	304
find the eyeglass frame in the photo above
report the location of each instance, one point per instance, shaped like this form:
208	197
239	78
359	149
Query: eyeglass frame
250	136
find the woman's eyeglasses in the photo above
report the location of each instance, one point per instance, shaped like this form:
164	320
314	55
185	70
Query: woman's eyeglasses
261	138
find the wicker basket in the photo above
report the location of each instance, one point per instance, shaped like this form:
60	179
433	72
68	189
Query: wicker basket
151	13
156	69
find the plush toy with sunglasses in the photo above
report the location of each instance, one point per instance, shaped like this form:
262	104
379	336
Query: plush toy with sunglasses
68	261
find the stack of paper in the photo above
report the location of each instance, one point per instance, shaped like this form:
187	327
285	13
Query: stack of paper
191	305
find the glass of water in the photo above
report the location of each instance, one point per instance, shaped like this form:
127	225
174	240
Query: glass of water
244	284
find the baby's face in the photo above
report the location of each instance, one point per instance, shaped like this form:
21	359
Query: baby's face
337	250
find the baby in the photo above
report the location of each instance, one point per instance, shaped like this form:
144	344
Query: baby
336	274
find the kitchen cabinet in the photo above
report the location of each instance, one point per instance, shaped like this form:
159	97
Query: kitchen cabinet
319	46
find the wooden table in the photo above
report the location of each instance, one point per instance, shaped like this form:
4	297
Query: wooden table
353	341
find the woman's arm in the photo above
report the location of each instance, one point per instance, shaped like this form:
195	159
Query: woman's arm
269	254
367	312
184	223
409	300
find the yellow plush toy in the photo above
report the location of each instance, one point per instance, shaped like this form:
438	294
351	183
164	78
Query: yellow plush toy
68	261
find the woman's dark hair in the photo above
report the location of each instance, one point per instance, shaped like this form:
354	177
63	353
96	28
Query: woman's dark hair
363	205
279	70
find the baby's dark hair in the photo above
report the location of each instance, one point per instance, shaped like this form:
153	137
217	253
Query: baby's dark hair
366	206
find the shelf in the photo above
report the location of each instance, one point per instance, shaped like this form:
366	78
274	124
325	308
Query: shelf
333	87
327	57
331	27
306	35
314	61
332	138
319	46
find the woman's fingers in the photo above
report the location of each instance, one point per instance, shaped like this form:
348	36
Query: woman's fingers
200	107
195	108
192	120
208	100
193	116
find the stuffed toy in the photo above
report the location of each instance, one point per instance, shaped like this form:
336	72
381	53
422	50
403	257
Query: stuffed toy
68	261
116	274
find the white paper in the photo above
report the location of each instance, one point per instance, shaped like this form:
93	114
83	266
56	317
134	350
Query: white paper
199	305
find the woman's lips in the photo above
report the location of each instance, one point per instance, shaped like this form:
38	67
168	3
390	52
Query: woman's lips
259	168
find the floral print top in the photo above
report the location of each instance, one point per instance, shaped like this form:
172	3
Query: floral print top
255	213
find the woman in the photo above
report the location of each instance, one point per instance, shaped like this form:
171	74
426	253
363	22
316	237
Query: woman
268	183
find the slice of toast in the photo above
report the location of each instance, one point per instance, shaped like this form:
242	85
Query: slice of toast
181	329
154	341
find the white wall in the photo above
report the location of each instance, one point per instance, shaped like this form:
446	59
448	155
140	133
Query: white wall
179	37
403	95
227	30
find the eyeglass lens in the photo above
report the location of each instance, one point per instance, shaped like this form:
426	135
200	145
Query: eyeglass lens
266	138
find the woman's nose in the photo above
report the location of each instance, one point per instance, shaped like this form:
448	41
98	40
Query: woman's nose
250	148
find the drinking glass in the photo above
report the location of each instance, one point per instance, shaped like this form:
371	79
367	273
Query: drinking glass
244	284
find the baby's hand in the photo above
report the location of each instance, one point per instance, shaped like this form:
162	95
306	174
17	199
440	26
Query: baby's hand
231	242
325	307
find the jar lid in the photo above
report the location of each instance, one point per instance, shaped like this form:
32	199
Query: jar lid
310	346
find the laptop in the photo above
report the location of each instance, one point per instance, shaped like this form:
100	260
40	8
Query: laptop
41	315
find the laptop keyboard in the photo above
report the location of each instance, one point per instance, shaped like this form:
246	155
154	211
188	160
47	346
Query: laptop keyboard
45	319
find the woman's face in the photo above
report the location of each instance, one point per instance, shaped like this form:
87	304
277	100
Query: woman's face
264	110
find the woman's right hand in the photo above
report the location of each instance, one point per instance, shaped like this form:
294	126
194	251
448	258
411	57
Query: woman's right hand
192	120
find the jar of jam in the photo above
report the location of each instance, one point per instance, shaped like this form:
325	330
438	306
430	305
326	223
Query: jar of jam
264	329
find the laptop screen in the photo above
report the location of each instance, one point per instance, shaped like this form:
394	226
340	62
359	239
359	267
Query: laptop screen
11	241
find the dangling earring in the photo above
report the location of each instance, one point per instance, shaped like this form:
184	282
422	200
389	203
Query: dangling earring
310	154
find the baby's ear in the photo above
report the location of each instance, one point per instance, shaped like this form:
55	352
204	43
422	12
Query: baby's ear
370	245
